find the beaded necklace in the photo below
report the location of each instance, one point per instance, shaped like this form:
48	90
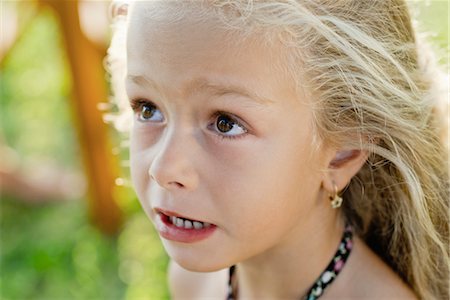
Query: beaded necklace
324	280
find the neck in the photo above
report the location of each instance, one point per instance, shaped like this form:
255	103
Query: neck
288	270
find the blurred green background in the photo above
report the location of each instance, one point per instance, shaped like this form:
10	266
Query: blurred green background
50	250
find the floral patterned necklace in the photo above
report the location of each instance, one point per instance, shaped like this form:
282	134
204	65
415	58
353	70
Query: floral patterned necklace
324	280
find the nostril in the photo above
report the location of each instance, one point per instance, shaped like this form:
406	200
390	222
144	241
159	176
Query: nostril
171	178
176	184
167	185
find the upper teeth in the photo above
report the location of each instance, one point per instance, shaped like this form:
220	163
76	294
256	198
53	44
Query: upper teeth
188	224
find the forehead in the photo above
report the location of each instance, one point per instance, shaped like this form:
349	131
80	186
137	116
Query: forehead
174	22
166	25
179	37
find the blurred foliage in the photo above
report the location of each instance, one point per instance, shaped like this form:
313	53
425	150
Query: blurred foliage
35	115
51	251
432	20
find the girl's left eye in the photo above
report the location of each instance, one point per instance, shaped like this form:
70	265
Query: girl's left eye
227	126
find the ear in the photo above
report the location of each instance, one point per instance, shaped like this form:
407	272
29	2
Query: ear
342	167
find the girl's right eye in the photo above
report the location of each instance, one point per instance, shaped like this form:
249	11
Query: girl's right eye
148	112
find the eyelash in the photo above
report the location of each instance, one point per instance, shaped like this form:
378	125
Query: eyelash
137	104
232	118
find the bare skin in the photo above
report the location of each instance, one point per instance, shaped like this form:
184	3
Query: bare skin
365	276
263	181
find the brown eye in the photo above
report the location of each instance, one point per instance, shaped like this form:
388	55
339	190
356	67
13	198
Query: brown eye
224	124
227	126
150	112
147	112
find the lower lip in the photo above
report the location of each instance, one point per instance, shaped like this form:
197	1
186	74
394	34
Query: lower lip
180	234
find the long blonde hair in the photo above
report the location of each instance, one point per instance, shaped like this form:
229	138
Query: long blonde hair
373	89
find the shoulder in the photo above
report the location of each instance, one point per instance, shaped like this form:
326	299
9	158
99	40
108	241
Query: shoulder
366	276
184	284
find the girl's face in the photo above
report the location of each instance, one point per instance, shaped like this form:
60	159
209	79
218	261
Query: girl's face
219	136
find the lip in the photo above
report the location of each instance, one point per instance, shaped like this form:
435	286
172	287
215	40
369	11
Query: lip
180	234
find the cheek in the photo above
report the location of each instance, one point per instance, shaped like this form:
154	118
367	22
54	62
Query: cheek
140	160
267	204
267	185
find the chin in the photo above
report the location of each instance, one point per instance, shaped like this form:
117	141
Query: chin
201	267
194	259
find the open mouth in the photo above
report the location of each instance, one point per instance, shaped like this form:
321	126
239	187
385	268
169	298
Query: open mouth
175	227
183	222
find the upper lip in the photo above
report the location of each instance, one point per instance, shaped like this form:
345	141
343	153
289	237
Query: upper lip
175	214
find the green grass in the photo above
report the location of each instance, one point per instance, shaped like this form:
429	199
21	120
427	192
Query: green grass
52	252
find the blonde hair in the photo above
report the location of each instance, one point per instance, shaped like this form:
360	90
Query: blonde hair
373	89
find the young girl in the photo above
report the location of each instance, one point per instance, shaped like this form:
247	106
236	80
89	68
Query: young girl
286	149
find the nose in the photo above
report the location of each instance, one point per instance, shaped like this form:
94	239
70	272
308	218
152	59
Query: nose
173	166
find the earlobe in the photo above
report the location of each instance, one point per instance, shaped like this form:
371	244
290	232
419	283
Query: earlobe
344	165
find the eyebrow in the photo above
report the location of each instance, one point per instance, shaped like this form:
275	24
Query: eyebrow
202	84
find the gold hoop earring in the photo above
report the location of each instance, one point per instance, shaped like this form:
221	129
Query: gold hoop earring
335	200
